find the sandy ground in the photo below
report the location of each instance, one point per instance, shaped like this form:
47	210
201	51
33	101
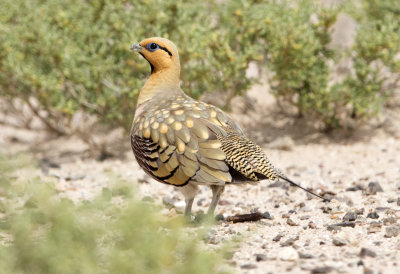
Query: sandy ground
300	236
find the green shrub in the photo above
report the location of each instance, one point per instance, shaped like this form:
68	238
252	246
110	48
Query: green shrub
43	233
74	55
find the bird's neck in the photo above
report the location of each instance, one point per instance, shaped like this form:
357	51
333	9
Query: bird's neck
161	83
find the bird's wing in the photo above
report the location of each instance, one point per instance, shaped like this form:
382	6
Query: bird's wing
178	145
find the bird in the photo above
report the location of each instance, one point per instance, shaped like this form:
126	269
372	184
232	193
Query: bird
185	143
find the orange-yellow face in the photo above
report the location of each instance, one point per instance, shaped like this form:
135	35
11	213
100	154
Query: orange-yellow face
159	52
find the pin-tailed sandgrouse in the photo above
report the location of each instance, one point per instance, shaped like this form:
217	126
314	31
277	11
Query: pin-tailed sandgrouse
185	143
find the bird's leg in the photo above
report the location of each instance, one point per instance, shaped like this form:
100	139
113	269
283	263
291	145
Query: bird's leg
189	191
188	207
217	191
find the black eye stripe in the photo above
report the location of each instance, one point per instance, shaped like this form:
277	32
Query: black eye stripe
166	50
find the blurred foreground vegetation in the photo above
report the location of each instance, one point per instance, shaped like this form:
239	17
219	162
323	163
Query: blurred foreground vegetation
69	55
43	233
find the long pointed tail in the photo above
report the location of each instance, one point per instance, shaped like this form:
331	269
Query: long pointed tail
299	186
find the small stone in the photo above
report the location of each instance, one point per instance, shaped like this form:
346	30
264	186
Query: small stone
305	255
312	225
266	215
302	204
374	227
211	237
248	266
261	257
360	263
306	209
322	270
360	211
334	228
289	241
285	215
373	215
277	238
389	220
288	254
391	200
367	252
373	188
354	188
291	222
219	217
339	241
350	216
370	271
392	231
398	201
305	217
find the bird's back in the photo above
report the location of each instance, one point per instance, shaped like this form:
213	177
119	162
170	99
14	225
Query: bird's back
177	140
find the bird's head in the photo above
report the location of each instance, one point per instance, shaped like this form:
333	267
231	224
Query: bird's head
161	53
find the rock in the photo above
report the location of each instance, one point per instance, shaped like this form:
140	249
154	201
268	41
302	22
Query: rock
322	270
374	227
288	254
312	225
266	215
360	211
333	228
261	257
354	188
391	200
211	237
290	241
398	201
392	231
306	209
339	241
373	215
389	220
373	188
367	252
278	237
370	271
305	256
305	217
350	216
248	266
291	222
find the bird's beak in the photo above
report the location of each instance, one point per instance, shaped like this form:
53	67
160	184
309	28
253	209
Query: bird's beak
136	48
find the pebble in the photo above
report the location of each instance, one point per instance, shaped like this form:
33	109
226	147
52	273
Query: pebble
312	225
360	211
248	266
339	241
278	237
305	217
333	228
354	188
370	271
398	201
373	188
306	256
288	254
211	237
367	252
322	270
374	227
266	215
291	222
290	241
350	216
389	220
373	215
392	231
306	209
261	257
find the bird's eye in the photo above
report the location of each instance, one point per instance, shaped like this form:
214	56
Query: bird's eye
152	47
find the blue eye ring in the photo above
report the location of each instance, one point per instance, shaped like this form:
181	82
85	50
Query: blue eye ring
152	47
